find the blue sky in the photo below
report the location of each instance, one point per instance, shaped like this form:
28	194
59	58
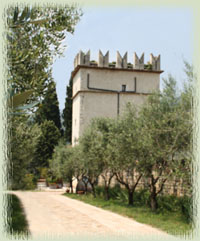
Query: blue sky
165	31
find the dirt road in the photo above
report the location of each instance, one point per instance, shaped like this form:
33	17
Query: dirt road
50	213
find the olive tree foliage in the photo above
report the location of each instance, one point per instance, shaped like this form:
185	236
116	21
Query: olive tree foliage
34	39
104	127
95	148
78	162
23	142
91	144
185	169
68	163
61	165
125	151
165	134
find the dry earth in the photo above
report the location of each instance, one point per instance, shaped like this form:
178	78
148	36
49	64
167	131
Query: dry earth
50	213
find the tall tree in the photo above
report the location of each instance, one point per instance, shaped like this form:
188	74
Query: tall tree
49	109
67	113
45	147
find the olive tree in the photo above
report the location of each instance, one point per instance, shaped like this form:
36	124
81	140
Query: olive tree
92	151
125	151
165	133
61	164
100	131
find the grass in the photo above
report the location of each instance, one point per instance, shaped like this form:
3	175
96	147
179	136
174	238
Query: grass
171	222
16	221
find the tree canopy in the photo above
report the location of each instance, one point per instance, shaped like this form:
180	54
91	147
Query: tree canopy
49	109
35	37
67	113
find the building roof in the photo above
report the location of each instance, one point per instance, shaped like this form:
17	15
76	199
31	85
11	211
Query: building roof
114	69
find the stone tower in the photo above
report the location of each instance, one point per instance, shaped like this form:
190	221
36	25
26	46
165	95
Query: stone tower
102	89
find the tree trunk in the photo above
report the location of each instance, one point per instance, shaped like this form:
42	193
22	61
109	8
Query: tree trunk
71	186
107	194
86	186
93	190
130	197
153	199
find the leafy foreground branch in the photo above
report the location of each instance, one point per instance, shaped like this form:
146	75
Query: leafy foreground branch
168	218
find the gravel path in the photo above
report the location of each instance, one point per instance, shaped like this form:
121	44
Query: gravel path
50	213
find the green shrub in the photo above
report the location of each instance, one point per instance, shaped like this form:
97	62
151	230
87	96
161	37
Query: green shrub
173	204
129	65
141	197
148	66
186	208
43	172
29	182
113	64
99	191
122	196
168	202
115	191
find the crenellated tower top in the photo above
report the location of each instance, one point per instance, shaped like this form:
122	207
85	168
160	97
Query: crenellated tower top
121	62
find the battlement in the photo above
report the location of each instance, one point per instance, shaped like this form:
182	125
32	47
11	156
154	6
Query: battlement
121	62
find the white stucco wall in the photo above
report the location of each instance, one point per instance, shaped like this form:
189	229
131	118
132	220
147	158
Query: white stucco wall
136	99
76	83
76	118
114	79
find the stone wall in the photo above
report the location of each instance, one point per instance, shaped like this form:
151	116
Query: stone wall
172	186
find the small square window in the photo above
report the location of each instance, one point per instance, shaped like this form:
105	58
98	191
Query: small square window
123	88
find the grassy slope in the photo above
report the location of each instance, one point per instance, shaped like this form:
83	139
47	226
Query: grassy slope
171	222
17	224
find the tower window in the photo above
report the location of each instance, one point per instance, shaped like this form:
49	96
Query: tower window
123	88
